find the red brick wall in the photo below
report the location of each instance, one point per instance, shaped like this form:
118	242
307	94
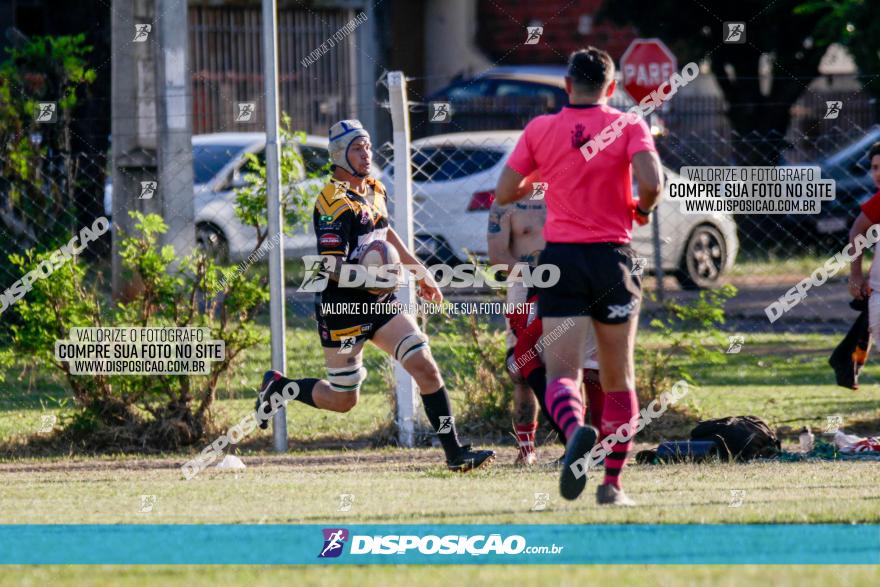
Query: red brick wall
501	30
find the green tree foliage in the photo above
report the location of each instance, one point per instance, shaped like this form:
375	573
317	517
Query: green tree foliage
300	186
775	29
692	335
38	169
165	411
854	24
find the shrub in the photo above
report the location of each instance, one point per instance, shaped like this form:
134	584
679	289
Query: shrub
142	412
690	334
297	198
163	411
479	373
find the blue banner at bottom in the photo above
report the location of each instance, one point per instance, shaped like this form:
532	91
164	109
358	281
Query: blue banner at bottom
440	544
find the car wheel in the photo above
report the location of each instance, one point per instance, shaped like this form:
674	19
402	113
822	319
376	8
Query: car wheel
210	239
704	259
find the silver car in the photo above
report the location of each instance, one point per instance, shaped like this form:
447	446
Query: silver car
454	178
219	167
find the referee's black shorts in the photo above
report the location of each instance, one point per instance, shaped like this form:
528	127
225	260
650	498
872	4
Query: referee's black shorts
596	279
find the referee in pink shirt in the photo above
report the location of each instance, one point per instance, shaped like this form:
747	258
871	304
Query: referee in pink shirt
590	215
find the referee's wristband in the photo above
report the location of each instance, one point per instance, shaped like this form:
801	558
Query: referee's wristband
642	212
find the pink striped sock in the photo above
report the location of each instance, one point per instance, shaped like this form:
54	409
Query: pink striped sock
619	408
565	405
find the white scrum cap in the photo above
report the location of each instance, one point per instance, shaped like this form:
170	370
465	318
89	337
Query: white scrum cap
342	135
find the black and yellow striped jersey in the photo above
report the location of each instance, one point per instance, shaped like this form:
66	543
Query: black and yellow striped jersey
346	222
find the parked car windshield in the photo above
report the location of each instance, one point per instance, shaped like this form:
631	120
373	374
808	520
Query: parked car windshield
470	89
208	160
451	162
853	153
516	88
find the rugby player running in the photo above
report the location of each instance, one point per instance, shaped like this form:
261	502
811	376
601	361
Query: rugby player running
350	213
514	236
590	212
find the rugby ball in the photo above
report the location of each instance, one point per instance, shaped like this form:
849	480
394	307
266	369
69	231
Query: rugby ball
380	253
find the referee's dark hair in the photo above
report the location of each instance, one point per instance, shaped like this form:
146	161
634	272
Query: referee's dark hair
590	70
874	150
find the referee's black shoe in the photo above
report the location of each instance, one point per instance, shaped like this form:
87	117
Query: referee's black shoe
579	445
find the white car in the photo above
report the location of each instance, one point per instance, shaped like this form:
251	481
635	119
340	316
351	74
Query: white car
454	178
218	169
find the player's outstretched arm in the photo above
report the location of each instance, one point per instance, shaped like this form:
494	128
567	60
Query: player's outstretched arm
512	186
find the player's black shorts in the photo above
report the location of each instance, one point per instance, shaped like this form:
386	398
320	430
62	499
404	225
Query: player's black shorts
346	318
596	279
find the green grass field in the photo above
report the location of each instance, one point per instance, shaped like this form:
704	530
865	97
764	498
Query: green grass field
488	576
410	486
781	377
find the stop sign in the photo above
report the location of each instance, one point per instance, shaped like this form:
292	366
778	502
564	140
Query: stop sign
646	64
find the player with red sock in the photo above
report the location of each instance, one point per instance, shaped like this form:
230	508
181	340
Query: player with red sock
590	213
526	361
514	237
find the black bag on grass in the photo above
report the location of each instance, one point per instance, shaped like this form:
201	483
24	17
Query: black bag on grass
740	438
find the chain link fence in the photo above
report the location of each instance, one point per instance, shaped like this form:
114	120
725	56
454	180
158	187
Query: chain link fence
763	255
44	202
454	177
777	251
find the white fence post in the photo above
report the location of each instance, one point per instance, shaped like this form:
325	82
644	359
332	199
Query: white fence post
402	222
273	204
